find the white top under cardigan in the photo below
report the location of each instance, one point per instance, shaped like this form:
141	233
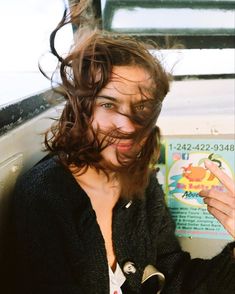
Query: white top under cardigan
116	279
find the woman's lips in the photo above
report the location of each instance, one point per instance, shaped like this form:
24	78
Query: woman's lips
123	146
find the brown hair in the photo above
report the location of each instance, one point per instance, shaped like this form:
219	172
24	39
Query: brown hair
84	72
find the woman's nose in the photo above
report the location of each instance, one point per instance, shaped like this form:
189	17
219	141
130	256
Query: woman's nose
124	123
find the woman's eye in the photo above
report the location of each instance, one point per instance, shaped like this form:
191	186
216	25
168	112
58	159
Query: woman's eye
107	105
140	107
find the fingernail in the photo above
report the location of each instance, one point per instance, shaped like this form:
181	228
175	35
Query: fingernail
203	193
208	162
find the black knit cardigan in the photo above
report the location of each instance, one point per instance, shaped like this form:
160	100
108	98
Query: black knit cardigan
59	248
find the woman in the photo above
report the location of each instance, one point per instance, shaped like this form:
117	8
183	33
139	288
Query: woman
92	219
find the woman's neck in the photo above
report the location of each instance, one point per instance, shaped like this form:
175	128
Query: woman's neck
96	182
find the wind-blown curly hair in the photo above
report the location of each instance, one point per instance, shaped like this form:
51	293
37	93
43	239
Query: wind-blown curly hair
84	72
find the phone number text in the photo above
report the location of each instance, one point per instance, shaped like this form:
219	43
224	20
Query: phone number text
201	147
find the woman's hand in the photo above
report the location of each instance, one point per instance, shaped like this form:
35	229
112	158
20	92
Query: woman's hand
221	204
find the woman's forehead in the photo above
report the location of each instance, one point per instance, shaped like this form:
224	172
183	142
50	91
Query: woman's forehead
129	80
130	73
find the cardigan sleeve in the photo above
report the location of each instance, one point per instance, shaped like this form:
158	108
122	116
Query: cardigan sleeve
41	233
186	275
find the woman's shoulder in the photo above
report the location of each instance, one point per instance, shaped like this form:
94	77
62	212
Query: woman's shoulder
155	201
154	191
156	208
48	180
44	172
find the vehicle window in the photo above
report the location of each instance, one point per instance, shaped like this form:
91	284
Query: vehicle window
204	30
24	28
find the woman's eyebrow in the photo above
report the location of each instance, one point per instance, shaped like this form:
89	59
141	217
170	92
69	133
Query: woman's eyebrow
107	97
113	99
143	101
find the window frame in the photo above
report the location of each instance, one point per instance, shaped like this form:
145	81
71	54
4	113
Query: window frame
190	39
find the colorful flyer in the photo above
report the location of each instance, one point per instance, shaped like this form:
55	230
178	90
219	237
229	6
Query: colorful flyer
186	175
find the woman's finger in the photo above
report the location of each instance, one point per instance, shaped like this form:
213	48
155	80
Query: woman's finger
222	177
225	220
221	196
220	206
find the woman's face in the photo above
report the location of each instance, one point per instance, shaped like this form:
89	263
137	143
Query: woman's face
127	90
